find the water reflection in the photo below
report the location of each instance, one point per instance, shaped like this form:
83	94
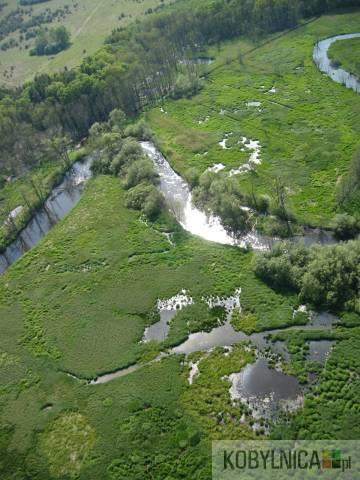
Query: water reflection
325	65
61	201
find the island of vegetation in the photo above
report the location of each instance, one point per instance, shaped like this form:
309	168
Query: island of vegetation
51	42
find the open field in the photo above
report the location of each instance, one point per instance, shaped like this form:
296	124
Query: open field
306	123
89	22
79	303
346	54
100	271
76	306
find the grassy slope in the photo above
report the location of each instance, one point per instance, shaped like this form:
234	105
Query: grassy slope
346	54
307	129
79	302
89	24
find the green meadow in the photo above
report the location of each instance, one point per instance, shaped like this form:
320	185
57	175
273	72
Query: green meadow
306	123
76	306
346	54
89	23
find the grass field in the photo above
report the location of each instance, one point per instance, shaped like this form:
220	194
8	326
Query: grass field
306	124
346	54
89	23
79	302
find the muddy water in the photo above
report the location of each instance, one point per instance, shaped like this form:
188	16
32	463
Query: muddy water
62	199
324	63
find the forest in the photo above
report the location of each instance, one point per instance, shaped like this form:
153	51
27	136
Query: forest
123	73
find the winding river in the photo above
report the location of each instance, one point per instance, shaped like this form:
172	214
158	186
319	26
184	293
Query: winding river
176	192
256	379
178	198
256	384
323	62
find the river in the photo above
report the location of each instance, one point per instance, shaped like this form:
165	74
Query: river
176	192
62	199
323	62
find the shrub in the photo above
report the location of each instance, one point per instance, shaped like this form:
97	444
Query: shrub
140	171
139	130
345	226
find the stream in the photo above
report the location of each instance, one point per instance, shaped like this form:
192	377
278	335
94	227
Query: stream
175	190
257	380
61	200
324	64
178	198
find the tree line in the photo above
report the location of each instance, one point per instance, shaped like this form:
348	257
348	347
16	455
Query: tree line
137	66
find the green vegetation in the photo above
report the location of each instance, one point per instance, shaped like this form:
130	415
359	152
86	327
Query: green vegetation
194	318
306	140
323	276
244	322
209	402
88	21
332	406
346	54
66	444
76	306
79	302
51	42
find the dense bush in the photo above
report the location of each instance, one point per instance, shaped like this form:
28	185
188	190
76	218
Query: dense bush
222	196
327	276
123	157
345	226
146	198
51	42
138	171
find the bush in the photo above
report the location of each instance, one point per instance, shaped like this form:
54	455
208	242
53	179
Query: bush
146	198
328	277
263	203
345	226
186	86
51	42
140	171
130	152
223	198
139	130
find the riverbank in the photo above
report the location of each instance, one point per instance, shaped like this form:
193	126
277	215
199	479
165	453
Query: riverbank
19	195
345	54
277	97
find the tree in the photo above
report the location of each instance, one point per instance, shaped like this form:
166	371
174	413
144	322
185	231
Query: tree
117	120
51	42
345	226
